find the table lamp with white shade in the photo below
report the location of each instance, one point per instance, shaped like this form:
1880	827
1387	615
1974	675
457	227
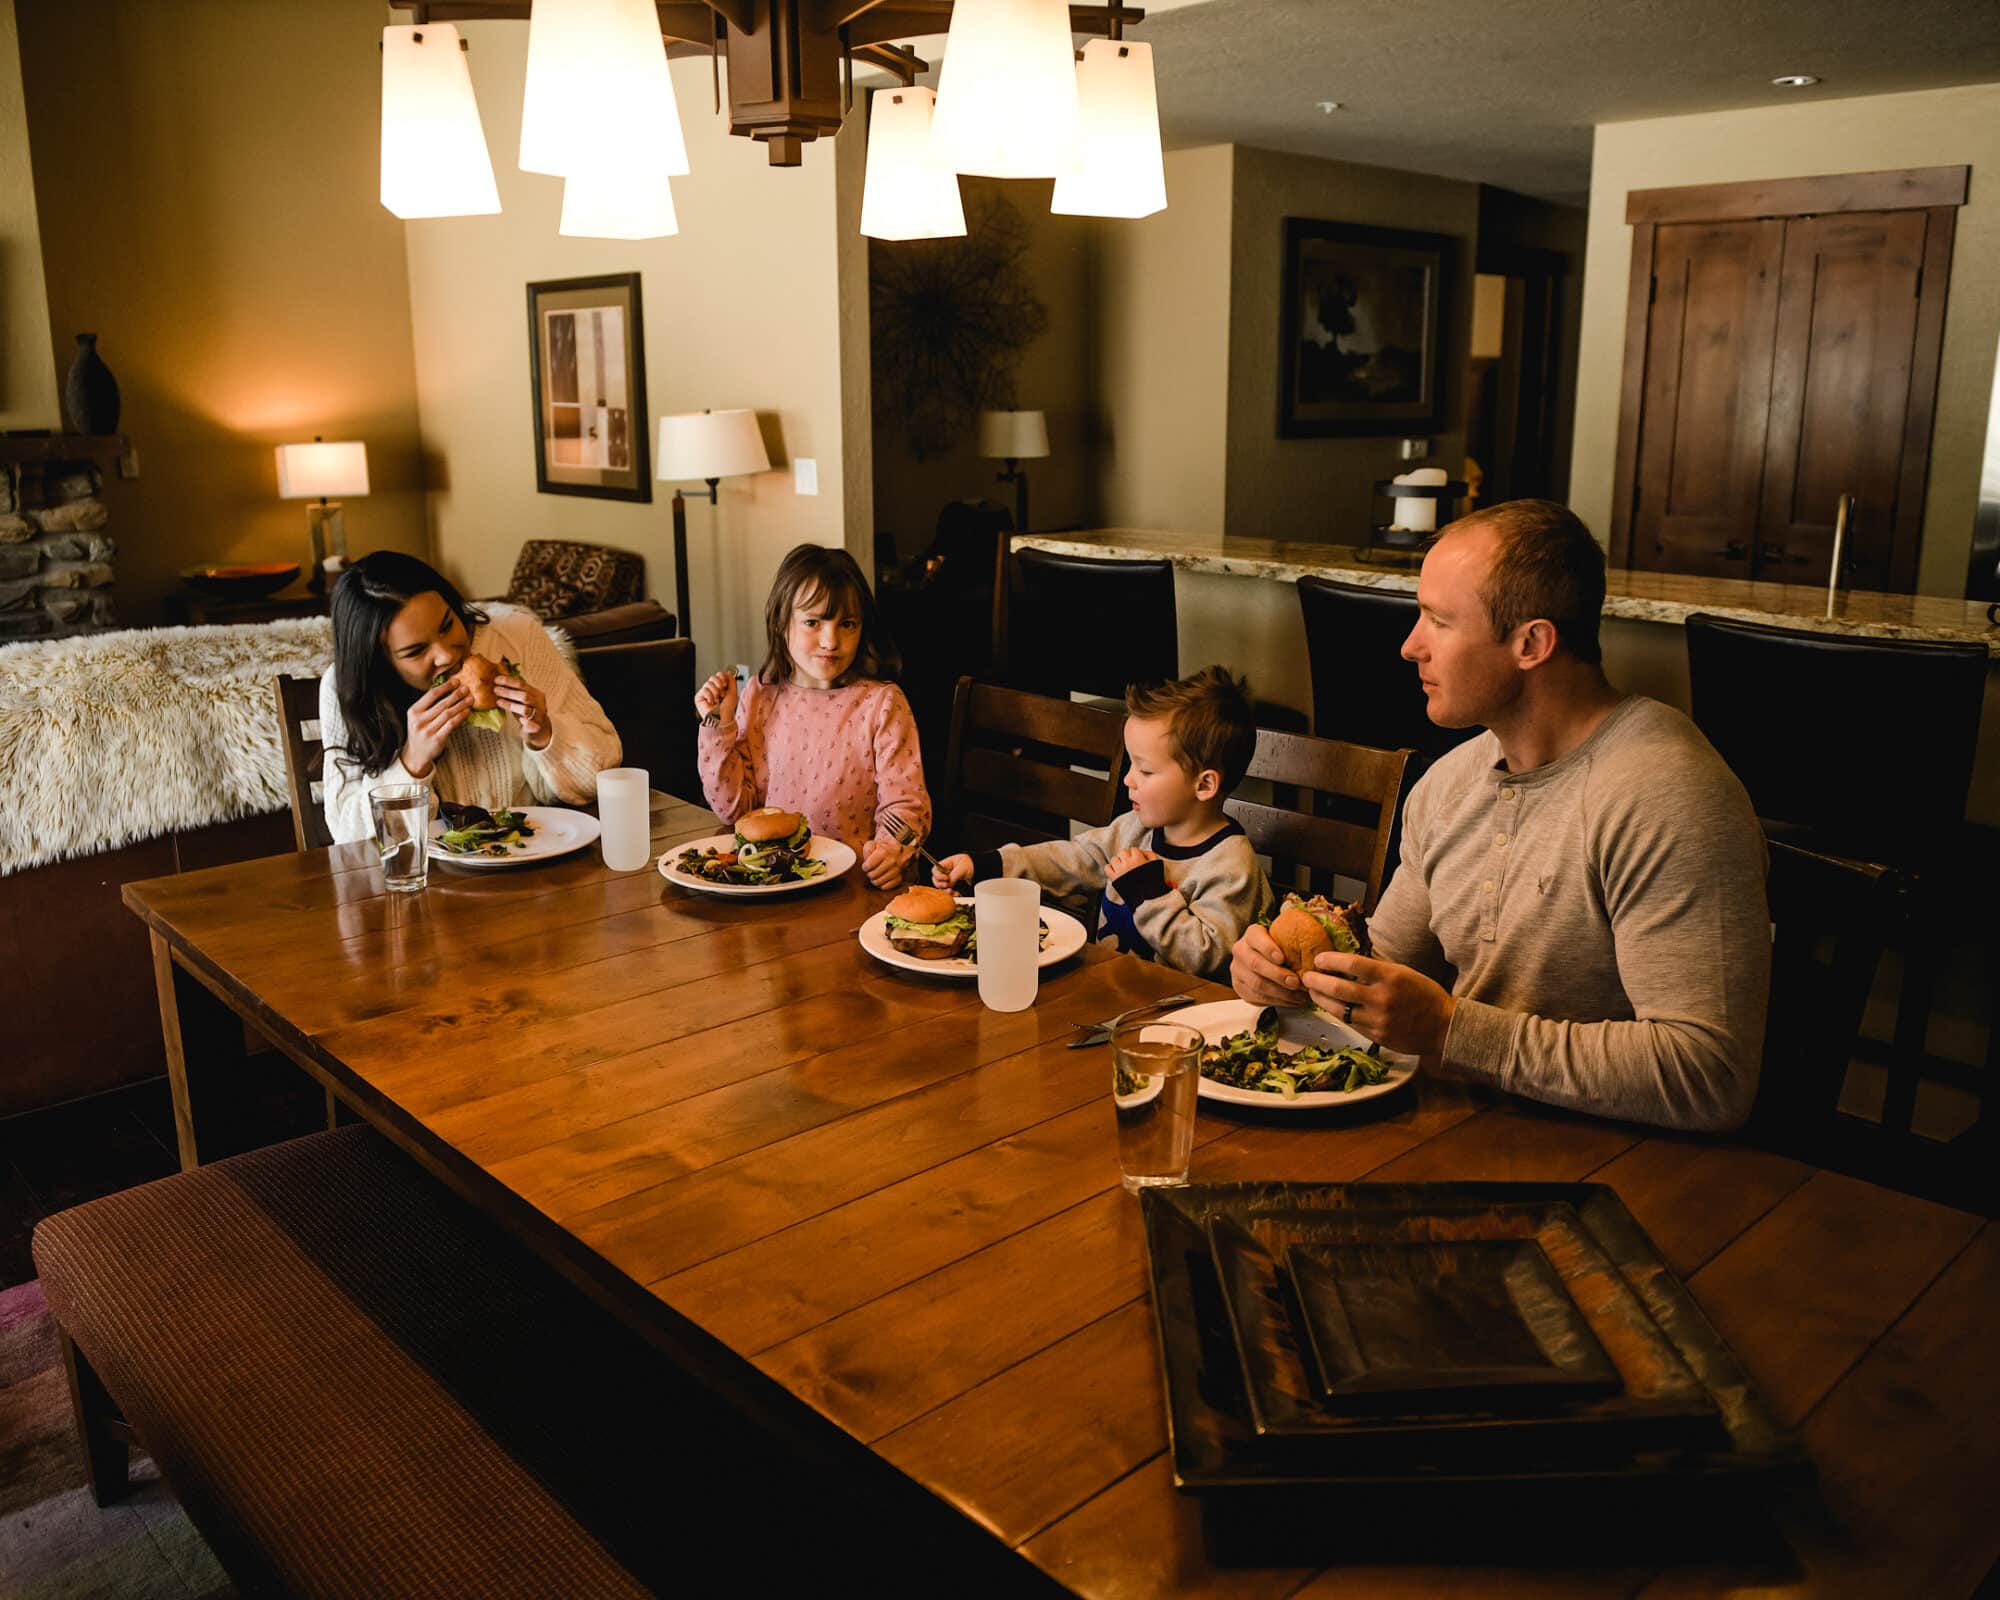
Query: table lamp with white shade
1014	437
319	471
710	445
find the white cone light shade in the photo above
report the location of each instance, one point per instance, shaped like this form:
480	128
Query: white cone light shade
908	193
322	469
434	160
1006	98
1122	174
618	207
599	97
711	444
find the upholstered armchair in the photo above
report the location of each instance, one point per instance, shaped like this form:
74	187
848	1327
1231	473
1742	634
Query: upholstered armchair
596	594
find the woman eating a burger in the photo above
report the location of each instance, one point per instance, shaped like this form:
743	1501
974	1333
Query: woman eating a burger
426	688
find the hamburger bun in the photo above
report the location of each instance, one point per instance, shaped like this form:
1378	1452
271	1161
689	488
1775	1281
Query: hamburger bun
768	825
922	904
475	676
1299	937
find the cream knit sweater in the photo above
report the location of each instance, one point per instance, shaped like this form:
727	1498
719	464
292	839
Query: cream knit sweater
479	767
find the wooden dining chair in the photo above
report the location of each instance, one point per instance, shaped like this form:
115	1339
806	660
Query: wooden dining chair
647	691
305	758
1009	768
1353	792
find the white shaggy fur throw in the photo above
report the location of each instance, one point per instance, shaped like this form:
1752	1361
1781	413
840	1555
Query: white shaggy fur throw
113	737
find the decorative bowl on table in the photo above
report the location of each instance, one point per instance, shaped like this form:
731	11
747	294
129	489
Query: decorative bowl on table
250	580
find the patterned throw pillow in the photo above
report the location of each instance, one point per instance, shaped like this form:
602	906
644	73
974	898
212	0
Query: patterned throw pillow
557	578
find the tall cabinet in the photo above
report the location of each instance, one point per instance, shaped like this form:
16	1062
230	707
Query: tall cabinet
1781	350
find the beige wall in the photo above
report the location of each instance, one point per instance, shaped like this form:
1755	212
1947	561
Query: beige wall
27	364
206	177
1163	352
1056	375
1324	488
741	308
1942	127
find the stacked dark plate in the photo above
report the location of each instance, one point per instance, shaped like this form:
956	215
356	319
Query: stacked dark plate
1408	1357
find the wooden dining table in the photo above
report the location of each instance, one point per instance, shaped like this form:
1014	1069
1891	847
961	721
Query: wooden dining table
891	1219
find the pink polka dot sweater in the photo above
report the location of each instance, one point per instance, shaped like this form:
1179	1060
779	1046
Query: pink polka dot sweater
843	757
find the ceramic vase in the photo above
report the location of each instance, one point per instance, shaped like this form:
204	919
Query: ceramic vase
90	393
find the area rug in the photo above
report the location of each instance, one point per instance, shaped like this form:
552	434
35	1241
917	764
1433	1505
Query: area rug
56	1543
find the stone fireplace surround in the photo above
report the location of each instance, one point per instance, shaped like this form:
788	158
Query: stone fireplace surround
56	572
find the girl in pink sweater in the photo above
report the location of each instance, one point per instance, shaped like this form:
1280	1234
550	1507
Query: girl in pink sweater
820	729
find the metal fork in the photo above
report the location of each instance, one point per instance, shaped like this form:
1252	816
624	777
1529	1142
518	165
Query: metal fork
903	833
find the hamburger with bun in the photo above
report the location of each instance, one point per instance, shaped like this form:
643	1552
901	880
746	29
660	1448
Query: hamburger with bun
768	828
475	676
1303	929
929	924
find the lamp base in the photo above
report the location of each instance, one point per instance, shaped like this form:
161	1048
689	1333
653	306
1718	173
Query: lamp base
326	530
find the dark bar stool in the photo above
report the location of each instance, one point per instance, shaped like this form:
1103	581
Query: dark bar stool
1091	626
1860	748
1363	690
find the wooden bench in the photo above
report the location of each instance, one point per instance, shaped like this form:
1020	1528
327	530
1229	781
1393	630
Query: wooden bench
358	1387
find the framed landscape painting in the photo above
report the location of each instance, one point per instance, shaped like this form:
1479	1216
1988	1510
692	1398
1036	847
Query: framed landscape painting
1361	330
587	361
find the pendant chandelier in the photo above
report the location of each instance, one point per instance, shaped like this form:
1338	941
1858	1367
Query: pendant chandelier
1013	101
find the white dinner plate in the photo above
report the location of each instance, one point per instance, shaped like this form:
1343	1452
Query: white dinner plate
837	856
558	831
1066	937
1220	1018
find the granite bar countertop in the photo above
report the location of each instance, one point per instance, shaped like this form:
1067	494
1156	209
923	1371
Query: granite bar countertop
1640	596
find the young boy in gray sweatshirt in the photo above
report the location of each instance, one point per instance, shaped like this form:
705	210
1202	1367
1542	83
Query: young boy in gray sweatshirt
1178	877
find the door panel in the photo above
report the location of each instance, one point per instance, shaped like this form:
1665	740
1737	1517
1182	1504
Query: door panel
1840	393
1707	396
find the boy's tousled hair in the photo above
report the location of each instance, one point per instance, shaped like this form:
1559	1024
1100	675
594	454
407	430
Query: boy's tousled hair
1208	717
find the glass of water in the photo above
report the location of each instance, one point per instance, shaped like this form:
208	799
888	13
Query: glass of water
1155	1074
402	814
1008	915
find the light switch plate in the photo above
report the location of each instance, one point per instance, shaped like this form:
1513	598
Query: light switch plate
1415	449
805	475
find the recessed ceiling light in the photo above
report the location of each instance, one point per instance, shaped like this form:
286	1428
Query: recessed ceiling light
1794	80
1328	107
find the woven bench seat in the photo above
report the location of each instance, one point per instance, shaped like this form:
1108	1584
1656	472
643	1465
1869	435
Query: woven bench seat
358	1387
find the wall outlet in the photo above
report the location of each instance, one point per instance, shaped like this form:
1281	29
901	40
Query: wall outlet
1415	449
805	475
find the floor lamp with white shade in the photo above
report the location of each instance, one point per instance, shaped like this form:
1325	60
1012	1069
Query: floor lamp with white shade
710	445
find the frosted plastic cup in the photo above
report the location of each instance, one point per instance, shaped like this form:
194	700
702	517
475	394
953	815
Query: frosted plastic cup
1008	912
623	808
1155	1079
402	813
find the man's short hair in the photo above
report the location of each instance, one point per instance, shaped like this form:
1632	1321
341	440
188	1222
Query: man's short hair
1208	719
1546	565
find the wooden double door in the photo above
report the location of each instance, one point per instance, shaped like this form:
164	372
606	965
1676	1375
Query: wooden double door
1775	363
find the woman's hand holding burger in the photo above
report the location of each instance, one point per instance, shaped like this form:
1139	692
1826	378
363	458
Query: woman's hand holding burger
717	697
429	723
529	708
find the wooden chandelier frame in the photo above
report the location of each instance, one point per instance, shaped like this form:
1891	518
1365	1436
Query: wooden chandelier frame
791	62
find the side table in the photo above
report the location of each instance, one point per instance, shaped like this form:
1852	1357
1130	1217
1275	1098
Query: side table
192	608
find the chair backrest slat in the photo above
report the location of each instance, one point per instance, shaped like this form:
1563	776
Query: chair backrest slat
1008	771
305	758
1369	781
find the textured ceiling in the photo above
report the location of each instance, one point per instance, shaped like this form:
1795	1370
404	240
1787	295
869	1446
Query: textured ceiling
1506	91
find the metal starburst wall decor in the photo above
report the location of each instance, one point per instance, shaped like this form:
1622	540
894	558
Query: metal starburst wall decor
950	320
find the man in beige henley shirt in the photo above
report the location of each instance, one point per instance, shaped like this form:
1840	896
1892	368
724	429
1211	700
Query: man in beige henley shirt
1579	914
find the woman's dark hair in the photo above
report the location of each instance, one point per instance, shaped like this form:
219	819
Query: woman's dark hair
817	569
374	700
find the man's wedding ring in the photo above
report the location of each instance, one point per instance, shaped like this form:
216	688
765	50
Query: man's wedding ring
1347	1016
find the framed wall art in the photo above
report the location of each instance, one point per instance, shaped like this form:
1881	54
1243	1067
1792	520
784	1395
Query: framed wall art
587	362
1361	330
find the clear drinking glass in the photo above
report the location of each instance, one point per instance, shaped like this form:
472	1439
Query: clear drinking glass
403	833
1008	914
623	813
1155	1074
